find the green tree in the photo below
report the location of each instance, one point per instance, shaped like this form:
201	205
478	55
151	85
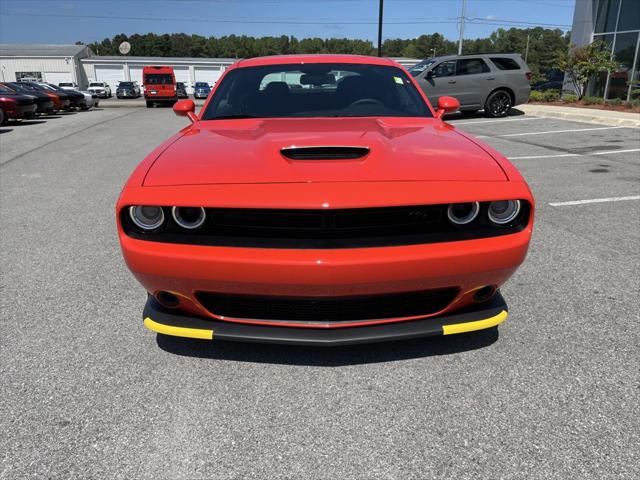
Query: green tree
581	63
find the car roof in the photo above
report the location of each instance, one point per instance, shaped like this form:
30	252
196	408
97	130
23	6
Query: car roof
471	55
293	59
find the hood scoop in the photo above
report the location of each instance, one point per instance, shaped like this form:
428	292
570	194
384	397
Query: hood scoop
324	153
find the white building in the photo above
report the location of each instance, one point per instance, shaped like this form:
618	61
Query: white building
122	68
47	63
77	63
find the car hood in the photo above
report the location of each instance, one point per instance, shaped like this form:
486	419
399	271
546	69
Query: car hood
249	151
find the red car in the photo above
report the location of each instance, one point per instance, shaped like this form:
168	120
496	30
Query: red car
15	106
320	200
159	85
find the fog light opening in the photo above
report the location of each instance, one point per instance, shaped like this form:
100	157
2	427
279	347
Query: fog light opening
485	293
167	299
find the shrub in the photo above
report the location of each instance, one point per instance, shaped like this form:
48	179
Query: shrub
633	103
551	96
615	102
536	96
570	98
593	100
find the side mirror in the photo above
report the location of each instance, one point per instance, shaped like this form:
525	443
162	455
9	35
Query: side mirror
446	105
429	74
185	108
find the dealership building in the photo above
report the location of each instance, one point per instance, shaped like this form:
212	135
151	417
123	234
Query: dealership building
617	24
77	63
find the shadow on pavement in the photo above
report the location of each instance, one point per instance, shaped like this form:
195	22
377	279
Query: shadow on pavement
26	123
328	356
5	130
514	112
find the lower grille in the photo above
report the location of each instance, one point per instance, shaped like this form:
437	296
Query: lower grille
328	309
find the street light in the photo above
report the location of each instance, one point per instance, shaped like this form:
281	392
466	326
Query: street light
380	28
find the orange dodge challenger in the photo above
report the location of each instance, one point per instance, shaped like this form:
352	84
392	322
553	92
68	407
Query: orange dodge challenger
321	200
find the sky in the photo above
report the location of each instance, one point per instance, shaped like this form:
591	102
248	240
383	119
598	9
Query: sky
68	21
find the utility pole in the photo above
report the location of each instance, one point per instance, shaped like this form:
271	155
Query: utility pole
462	16
526	50
380	28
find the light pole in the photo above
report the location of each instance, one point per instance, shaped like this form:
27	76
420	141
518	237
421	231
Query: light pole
464	11
380	28
526	50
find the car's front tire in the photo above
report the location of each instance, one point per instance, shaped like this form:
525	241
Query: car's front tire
498	104
2	119
149	104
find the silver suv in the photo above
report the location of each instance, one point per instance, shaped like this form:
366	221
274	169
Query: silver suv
493	82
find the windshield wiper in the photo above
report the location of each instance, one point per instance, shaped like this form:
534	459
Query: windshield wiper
233	117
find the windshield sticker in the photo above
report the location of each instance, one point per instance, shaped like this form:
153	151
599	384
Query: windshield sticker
398	80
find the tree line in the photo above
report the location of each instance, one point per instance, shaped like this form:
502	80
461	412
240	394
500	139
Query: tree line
544	45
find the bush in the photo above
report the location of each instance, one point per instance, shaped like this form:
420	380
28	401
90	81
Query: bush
551	96
570	98
615	102
634	103
536	96
593	100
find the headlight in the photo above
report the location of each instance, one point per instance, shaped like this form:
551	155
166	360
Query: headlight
146	217
188	217
463	213
503	211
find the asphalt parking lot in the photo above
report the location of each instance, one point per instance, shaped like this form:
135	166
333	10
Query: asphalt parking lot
88	392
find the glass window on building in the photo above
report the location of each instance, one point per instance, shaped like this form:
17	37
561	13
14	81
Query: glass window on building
624	53
629	16
599	83
607	15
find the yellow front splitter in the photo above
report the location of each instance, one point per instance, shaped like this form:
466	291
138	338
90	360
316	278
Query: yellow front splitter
200	333
477	325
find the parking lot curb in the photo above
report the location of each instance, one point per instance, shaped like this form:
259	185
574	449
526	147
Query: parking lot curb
110	103
587	115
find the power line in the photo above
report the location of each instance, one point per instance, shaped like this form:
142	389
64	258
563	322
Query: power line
492	22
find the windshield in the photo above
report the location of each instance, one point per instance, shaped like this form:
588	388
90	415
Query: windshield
4	89
96	85
65	84
158	79
316	90
418	68
202	85
125	84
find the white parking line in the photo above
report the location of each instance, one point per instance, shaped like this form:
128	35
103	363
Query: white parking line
502	120
548	132
608	152
595	200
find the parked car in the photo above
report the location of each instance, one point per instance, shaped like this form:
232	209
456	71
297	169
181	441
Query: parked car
76	98
60	100
44	103
16	106
69	86
181	90
102	89
91	100
201	90
372	221
159	85
492	82
128	90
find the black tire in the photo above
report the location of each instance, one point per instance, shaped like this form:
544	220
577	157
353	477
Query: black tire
149	104
498	104
2	117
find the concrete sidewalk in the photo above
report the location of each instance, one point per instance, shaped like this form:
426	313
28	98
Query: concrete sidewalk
588	115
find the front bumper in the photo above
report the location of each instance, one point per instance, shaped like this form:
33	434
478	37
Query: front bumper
477	317
22	112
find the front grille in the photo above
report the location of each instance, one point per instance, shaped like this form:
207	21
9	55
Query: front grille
326	229
328	309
